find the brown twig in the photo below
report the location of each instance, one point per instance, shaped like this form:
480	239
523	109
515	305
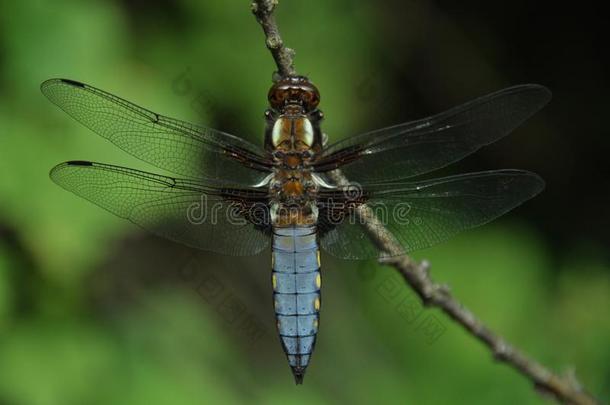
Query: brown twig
563	388
263	10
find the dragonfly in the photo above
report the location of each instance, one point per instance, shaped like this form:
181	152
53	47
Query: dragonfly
226	195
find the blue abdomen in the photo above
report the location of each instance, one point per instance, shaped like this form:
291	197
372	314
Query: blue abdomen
296	292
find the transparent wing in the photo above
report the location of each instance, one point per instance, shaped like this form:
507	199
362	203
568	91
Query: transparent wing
177	146
422	214
217	218
421	146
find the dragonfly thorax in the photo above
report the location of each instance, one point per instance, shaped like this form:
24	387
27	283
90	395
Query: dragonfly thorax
293	190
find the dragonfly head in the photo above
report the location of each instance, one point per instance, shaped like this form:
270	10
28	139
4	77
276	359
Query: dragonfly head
293	92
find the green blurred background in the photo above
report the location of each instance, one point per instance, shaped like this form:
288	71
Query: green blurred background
93	310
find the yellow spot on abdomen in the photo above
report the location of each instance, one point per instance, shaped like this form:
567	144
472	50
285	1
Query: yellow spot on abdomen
318	281
315	324
316	304
318	256
273	281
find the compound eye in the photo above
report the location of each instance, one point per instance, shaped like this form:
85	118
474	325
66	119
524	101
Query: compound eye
312	99
307	97
277	98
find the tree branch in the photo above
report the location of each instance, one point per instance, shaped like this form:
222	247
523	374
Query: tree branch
263	10
563	388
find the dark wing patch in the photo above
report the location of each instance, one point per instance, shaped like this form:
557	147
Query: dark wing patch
219	218
425	213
